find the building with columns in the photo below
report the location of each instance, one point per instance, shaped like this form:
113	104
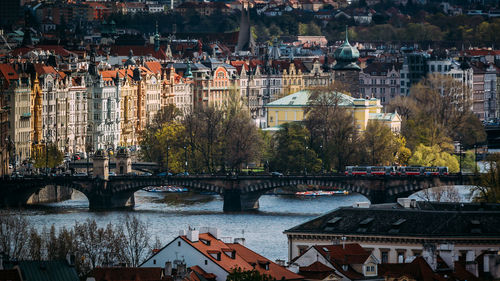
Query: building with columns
398	231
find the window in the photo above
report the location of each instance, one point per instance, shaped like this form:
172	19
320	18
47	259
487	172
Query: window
154	261
384	256
206	262
179	243
401	257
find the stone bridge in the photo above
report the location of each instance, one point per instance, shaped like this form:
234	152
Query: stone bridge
240	193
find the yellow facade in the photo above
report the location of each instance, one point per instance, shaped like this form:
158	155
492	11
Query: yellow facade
291	108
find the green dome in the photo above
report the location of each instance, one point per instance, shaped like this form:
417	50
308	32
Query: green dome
346	55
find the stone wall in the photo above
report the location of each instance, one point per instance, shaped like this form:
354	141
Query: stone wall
51	194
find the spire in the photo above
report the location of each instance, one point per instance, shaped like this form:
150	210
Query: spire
188	73
157	39
346	35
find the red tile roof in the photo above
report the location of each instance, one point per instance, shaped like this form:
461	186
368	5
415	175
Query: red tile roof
154	66
42	69
244	258
276	271
350	254
8	72
418	269
139	51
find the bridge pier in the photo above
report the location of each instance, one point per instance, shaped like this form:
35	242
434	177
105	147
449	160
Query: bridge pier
236	201
122	200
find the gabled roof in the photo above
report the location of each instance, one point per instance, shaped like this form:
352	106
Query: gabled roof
42	69
154	66
276	271
242	258
418	269
8	72
344	254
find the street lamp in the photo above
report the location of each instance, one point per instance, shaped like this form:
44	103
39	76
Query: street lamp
322	160
185	159
168	149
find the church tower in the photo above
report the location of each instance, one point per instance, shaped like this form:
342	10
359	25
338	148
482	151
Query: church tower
346	69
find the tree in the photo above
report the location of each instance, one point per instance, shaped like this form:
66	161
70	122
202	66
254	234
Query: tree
291	150
331	126
237	274
136	240
50	157
433	156
471	132
241	139
488	186
380	144
440	194
14	233
444	100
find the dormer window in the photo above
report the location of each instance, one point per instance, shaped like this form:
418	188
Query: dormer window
264	264
215	254
205	241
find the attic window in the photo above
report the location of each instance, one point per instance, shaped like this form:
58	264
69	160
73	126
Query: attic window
366	221
215	254
230	253
334	220
398	222
205	241
475	222
264	264
325	249
294	98
475	231
290	103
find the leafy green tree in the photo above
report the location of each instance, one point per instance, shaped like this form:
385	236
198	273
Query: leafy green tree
380	144
50	157
471	131
433	156
488	186
291	150
237	274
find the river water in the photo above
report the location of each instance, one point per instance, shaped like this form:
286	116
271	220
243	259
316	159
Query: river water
166	214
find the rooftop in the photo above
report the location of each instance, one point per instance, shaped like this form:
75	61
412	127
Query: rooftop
426	219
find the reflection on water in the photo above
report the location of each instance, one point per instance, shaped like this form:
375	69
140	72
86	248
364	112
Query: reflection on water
166	214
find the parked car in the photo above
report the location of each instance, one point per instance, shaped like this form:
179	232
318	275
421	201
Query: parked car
147	174
112	174
183	174
164	174
82	174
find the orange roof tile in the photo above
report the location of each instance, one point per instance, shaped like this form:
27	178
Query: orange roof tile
276	271
8	72
154	66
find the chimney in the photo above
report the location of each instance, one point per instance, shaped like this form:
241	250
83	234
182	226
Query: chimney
240	241
214	231
364	205
404	202
447	254
429	254
168	268
181	270
471	264
486	263
193	235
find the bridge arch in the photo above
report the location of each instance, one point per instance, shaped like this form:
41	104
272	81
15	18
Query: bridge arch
266	186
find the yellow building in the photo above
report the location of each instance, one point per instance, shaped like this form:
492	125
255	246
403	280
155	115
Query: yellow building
291	108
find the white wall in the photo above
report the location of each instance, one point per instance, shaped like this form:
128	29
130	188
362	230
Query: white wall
189	254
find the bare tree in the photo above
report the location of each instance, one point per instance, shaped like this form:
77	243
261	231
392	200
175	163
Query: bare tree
136	240
440	194
331	126
14	231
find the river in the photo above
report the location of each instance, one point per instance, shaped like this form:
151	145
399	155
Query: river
262	229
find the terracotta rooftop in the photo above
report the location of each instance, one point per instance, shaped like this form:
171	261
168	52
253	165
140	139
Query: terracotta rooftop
128	274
